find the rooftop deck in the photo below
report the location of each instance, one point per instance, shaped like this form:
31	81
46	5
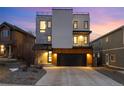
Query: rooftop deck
50	13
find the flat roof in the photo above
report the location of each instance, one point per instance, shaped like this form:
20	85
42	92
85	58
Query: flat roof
49	13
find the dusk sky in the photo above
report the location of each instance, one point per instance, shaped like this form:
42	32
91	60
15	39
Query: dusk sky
103	20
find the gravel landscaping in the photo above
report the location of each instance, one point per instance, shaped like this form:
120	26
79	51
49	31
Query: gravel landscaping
20	77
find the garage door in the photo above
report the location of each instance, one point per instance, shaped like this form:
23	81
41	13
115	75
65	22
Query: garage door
71	60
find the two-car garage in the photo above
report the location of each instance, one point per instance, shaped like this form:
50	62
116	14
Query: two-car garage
71	60
72	57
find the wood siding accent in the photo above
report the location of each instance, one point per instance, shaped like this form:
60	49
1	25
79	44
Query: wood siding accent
73	51
21	44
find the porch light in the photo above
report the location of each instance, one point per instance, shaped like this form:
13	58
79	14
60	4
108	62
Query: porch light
88	55
2	46
45	53
55	55
2	49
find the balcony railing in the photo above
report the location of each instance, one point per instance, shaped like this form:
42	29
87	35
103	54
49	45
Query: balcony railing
50	13
44	13
80	45
81	13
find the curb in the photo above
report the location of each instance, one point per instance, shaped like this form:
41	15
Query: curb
114	67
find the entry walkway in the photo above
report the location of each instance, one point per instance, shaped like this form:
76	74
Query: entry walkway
75	76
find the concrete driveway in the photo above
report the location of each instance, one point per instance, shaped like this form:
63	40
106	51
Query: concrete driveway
75	76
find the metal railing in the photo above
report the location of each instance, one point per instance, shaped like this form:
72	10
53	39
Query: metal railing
43	13
50	13
81	13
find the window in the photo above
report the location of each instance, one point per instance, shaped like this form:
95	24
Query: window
85	24
5	33
75	25
75	39
85	39
49	38
107	59
49	24
42	26
112	57
50	56
81	40
107	39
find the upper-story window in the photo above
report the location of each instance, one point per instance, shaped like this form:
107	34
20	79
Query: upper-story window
80	40
49	24
85	39
43	26
75	24
86	25
5	33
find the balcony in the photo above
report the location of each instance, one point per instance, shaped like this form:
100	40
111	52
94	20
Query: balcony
80	40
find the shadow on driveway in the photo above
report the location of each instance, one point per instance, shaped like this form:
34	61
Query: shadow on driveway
113	74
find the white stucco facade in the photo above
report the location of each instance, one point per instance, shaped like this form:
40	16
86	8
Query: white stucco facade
62	28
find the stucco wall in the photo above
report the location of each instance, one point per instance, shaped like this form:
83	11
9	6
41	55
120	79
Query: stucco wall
62	28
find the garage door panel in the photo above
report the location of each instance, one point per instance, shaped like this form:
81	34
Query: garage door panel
71	60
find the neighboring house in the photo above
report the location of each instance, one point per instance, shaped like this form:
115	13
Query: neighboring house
62	38
109	49
15	42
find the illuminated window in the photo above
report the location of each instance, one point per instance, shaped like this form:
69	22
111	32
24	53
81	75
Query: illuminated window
50	56
49	24
75	24
86	24
85	39
49	38
75	39
81	40
42	26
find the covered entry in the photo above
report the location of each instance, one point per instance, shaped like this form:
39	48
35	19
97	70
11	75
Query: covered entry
71	59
